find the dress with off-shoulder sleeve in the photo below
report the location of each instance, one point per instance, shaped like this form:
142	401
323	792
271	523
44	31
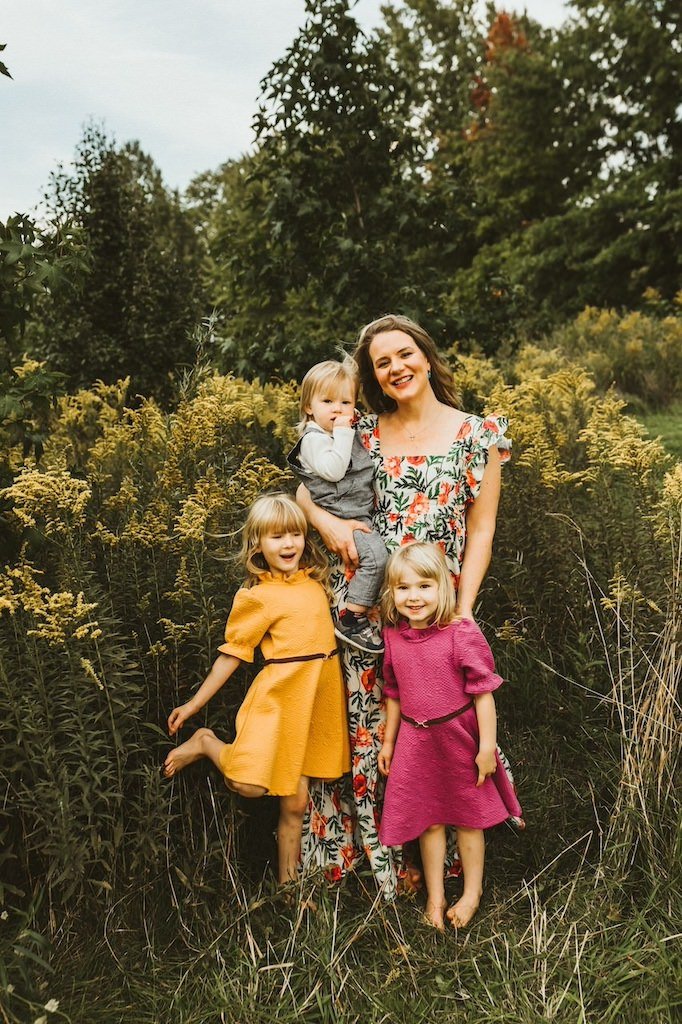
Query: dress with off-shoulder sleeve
417	497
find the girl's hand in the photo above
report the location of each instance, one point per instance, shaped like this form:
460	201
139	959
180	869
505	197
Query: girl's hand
486	762
385	757
179	716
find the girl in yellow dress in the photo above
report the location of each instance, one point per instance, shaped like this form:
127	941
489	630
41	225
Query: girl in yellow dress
292	725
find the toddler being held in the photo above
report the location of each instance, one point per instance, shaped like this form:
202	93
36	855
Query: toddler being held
336	468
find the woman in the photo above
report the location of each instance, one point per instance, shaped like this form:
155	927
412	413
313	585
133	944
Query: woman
437	479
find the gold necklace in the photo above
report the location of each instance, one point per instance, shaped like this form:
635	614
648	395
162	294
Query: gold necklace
416	434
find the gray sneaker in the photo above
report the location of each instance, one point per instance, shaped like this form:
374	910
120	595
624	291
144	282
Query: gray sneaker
360	634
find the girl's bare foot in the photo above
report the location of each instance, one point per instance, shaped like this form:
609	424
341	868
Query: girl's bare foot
433	915
186	753
461	913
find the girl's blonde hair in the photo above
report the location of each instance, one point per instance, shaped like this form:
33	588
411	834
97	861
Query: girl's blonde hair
428	561
442	380
278	513
327	377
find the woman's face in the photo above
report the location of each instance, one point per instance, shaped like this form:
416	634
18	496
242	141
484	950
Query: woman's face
400	366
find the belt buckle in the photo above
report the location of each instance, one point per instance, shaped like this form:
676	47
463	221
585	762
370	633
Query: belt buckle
422	725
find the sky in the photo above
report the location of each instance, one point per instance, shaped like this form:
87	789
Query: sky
180	77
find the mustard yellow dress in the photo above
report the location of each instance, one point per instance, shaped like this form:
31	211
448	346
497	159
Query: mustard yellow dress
293	719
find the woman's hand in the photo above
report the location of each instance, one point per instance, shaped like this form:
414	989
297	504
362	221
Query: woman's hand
336	534
179	716
486	762
337	537
385	757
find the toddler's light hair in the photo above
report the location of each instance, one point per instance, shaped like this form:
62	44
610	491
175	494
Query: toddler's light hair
326	378
278	513
428	562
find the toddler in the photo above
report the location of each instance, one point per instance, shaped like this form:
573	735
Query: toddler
336	468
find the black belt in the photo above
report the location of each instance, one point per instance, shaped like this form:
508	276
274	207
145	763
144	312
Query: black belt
301	657
437	721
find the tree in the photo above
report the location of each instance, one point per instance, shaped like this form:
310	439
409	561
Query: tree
34	261
324	225
142	297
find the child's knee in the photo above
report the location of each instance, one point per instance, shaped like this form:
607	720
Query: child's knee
245	789
294	806
432	830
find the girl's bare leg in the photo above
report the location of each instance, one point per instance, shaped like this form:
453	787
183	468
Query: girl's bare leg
432	847
204	743
291	812
471	846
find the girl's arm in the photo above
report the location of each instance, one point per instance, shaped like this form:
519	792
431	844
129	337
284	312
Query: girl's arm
336	534
390	733
481	517
223	667
486	761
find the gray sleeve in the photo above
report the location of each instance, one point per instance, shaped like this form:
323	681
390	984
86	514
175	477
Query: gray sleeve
325	455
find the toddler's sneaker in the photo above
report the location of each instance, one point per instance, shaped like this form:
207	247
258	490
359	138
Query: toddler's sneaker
360	634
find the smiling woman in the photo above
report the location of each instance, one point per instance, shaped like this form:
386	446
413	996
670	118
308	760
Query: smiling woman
436	479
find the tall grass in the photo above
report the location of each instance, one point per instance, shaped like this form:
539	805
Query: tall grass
127	898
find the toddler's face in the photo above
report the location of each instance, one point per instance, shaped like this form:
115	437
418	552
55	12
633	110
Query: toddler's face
416	598
327	408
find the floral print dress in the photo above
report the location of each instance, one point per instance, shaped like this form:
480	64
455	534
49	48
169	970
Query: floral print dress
417	498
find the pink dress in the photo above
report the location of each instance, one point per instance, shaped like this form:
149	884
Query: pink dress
432	780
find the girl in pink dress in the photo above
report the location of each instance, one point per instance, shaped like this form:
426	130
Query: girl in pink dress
439	747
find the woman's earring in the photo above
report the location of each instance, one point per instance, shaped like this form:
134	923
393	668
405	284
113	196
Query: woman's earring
429	373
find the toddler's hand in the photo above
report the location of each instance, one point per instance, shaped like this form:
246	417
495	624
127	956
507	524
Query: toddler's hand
486	763
343	421
385	757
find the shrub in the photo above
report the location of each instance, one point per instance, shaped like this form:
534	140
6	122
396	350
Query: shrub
638	354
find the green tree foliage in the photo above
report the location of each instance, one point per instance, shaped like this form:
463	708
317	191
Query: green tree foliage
4	70
34	260
580	181
135	314
329	222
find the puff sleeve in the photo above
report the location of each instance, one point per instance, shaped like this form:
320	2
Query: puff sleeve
476	660
486	434
246	625
390	682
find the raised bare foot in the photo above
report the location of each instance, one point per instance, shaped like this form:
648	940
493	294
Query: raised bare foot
185	754
433	915
460	913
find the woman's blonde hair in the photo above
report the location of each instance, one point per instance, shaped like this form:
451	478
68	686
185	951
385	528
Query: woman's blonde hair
442	381
278	513
428	561
326	377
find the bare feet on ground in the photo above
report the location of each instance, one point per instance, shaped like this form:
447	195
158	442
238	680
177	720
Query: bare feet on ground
433	915
185	754
460	913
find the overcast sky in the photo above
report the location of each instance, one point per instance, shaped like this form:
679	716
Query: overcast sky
180	76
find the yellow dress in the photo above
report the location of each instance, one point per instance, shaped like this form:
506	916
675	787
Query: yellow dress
293	719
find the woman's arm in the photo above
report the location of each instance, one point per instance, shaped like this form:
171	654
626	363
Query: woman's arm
336	534
481	517
486	715
390	733
223	667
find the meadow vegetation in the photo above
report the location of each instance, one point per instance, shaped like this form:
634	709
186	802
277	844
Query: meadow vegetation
514	188
128	898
